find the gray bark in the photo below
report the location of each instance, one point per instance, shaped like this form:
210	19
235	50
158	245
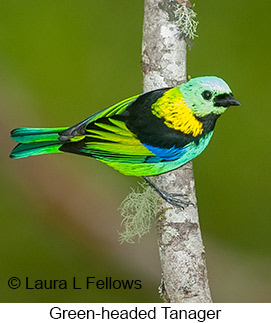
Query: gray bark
184	272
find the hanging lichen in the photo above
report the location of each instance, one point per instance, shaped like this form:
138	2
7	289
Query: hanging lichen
138	210
186	22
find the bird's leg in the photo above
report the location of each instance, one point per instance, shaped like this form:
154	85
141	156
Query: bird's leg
171	198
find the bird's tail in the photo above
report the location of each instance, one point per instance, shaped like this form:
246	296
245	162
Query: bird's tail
36	141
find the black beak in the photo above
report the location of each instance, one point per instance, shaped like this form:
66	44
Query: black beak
225	100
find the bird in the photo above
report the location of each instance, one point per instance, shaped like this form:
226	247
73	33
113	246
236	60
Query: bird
145	135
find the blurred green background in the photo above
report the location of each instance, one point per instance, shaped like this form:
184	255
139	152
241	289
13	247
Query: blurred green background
60	61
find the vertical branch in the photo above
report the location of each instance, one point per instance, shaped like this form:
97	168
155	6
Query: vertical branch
184	272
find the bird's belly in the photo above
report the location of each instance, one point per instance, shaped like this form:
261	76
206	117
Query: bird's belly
192	150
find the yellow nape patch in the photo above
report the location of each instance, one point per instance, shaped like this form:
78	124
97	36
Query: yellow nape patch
177	114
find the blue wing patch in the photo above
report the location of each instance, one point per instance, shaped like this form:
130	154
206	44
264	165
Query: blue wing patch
166	154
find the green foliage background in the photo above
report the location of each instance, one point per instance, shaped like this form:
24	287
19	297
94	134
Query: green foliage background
60	61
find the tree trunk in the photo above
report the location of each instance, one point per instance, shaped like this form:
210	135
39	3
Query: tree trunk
184	272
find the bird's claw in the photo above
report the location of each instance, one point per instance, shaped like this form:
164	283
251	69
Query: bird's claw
173	199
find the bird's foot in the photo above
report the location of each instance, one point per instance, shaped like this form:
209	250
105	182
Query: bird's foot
177	199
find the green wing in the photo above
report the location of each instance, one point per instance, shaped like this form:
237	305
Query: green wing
114	141
107	138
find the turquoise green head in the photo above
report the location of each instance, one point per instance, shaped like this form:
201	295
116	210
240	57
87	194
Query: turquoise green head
207	94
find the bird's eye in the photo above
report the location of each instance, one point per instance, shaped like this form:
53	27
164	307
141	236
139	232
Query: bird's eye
207	95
